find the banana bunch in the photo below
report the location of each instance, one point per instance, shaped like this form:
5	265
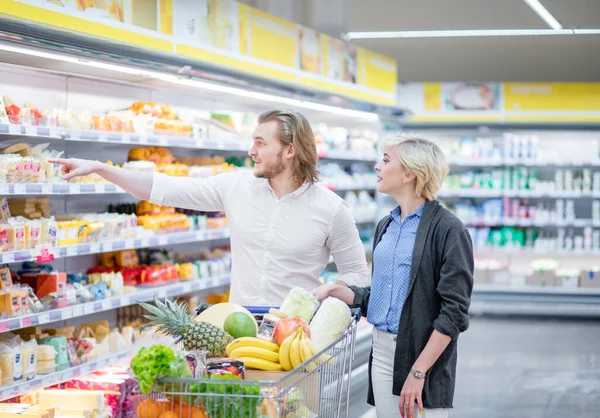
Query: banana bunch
295	350
255	353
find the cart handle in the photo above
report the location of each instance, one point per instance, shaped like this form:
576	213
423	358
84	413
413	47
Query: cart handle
356	312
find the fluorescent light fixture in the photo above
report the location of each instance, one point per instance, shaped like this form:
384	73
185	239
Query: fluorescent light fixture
202	85
468	33
586	31
542	12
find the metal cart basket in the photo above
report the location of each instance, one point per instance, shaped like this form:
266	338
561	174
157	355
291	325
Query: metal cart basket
319	387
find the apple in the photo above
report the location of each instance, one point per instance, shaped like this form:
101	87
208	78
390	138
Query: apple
286	327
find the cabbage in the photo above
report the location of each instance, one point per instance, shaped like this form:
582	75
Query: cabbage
300	304
329	323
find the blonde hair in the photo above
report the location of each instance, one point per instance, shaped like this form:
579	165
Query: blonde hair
424	159
295	130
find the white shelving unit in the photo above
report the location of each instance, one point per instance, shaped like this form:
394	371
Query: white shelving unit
42	381
218	142
557	148
143	294
51	89
525	194
46	189
205	235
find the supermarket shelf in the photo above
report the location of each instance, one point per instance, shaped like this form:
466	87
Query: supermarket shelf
536	290
144	294
30	131
542	301
530	194
536	252
23	189
108	246
576	223
223	142
499	162
44	381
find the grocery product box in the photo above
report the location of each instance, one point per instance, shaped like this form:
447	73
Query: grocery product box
589	279
542	278
309	384
44	284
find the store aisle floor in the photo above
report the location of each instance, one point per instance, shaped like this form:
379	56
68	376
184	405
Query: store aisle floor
528	368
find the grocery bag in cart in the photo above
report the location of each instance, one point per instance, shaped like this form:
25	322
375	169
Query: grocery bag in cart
290	376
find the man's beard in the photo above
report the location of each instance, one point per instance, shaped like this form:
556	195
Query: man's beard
272	170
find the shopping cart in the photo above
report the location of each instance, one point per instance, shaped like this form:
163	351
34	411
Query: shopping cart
319	387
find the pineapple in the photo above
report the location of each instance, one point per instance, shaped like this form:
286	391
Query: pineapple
174	320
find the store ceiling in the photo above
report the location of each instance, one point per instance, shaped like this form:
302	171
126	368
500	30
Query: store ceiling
543	58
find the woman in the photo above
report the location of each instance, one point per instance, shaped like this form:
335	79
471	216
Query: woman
421	287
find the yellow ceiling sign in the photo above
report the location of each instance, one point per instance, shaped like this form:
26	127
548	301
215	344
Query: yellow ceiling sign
552	97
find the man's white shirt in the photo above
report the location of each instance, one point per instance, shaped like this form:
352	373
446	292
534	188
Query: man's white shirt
276	244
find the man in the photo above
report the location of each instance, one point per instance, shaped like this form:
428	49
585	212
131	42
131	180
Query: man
284	226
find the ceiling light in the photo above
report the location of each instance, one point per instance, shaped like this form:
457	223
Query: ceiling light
586	31
542	12
469	33
202	85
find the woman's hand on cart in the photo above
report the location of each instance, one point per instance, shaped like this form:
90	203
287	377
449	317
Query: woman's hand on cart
340	291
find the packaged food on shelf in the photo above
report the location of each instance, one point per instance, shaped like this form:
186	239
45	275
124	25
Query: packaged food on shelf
357	175
46	359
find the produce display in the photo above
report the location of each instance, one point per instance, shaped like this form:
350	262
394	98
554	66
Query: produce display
233	333
211	354
173	319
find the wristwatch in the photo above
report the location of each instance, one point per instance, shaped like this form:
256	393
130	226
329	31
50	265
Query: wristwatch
419	375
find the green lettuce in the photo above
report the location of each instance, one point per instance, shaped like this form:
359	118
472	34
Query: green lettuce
158	361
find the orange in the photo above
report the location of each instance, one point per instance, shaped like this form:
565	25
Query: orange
197	412
146	409
169	414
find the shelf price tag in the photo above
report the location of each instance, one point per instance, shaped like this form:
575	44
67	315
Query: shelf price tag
84	370
20	188
4	326
126	138
67	374
8	258
106	305
14	129
77	311
71	251
88	308
162	293
107	246
187	287
31	131
75	135
67	314
99	188
44	255
43	318
163	241
94	248
25	321
102	137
